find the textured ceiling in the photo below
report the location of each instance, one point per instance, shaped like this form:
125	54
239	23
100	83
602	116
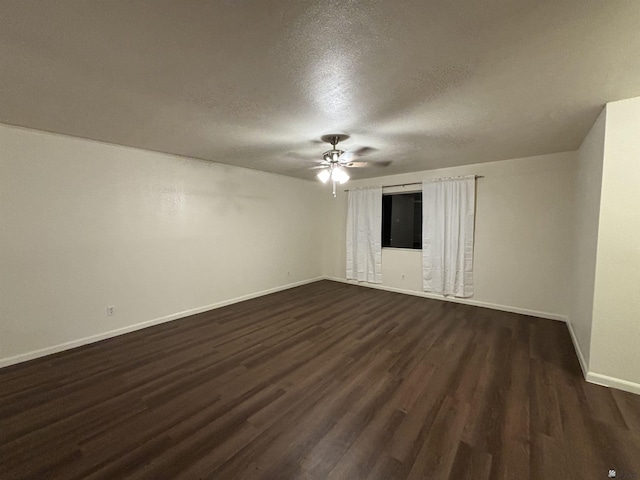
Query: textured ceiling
252	83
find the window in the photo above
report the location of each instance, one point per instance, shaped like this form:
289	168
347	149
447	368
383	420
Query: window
402	220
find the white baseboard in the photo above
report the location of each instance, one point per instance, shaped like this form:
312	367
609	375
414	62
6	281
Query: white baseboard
576	347
23	357
597	378
612	382
465	301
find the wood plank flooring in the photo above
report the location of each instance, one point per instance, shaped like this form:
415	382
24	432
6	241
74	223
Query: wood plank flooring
324	381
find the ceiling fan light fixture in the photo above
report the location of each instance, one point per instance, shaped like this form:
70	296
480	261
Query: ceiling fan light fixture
339	175
335	162
324	175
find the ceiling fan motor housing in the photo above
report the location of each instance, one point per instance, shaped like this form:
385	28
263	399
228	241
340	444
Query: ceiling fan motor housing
332	156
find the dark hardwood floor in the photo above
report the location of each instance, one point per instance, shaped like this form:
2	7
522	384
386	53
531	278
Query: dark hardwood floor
324	381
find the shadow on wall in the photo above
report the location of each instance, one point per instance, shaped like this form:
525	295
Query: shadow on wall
220	192
231	196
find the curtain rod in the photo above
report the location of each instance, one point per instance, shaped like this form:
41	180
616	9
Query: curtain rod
414	183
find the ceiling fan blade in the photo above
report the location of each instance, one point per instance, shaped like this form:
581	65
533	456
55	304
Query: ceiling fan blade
358	164
370	163
364	151
382	163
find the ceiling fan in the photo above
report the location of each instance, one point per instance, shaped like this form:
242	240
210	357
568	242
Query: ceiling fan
335	161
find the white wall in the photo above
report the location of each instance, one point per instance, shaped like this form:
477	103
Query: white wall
588	183
88	224
523	234
615	342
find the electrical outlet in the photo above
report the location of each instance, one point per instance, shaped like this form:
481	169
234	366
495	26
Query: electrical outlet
111	310
288	273
403	276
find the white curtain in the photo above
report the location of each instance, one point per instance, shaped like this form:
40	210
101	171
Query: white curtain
448	218
364	235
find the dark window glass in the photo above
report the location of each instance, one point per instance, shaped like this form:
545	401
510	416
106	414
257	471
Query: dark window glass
402	220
